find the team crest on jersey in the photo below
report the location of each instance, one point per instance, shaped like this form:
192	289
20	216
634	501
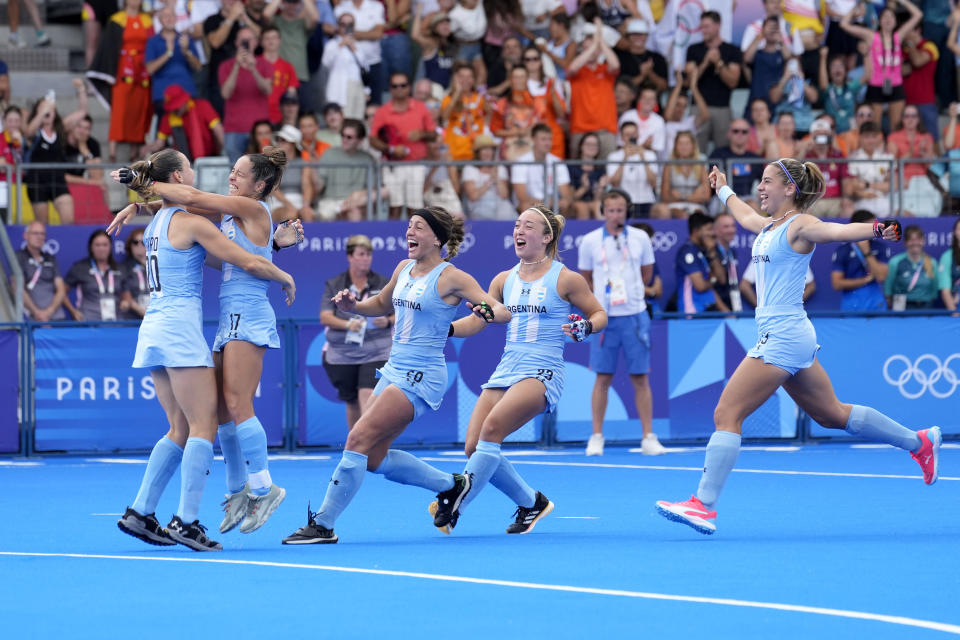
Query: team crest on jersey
229	229
539	294
419	289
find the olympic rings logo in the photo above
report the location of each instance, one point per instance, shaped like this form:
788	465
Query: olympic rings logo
927	373
663	240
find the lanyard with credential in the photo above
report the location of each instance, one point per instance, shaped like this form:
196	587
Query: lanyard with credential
624	254
96	274
36	274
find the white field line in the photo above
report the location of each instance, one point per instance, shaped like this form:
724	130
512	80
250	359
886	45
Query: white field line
729	602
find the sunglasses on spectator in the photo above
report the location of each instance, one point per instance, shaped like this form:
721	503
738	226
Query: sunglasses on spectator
347	136
345	24
739	130
531	59
865	114
400	85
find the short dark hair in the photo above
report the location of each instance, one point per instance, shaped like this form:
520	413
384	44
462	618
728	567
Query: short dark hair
270	27
870	127
711	15
628	123
610	194
862	215
774	19
697	220
562	19
308	114
332	106
356	125
402	74
541	128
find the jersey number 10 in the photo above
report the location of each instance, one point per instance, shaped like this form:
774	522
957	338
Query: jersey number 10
153	273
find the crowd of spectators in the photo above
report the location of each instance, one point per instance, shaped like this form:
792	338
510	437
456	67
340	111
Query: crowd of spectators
600	94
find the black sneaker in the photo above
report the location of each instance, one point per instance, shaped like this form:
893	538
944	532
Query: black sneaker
312	533
193	535
448	502
527	517
146	528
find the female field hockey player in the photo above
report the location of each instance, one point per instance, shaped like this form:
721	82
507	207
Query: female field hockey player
786	349
424	293
247	327
171	345
539	292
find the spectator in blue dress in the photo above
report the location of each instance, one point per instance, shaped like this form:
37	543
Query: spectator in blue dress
859	270
171	58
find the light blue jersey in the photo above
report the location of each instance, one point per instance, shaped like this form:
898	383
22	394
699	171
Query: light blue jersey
534	347
235	280
245	312
171	332
416	363
781	272
785	336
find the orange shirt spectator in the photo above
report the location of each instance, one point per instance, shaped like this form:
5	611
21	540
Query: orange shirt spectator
909	142
465	113
592	105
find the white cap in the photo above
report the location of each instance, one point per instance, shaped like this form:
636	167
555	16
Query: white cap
290	133
637	25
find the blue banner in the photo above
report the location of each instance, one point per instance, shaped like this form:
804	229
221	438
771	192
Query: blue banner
690	363
9	391
906	368
487	249
89	398
322	420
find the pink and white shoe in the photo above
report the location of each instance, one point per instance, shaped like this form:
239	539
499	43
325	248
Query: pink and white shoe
928	457
690	512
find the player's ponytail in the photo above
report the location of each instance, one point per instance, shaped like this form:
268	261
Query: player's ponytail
268	167
447	228
158	167
806	177
553	224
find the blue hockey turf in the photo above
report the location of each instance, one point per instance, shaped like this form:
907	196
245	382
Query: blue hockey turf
821	541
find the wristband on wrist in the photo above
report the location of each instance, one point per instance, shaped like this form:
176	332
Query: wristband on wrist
450	331
276	247
724	194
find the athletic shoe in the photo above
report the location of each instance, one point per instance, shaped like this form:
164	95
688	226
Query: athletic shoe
528	517
146	528
448	502
928	457
260	508
43	40
650	446
193	535
313	533
595	445
691	512
234	509
16	42
432	509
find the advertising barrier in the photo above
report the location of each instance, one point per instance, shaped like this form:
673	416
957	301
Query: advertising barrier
907	369
10	391
88	397
487	249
